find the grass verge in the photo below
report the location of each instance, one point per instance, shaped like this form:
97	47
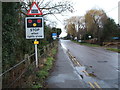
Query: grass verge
94	45
87	44
113	49
43	73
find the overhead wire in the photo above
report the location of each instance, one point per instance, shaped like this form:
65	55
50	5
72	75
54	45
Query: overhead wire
101	14
57	18
112	9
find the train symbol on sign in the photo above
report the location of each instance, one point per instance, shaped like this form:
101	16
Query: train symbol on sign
34	11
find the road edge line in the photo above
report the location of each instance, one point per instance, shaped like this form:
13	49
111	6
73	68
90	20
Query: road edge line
91	84
97	85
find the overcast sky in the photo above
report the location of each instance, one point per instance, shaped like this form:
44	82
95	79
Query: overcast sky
81	6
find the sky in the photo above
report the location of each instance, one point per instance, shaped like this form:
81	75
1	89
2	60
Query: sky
81	6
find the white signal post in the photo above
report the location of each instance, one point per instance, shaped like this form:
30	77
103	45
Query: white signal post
36	53
35	10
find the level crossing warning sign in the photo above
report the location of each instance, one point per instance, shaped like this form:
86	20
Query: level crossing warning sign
34	10
34	27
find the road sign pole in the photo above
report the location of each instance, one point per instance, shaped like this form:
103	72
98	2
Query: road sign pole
36	53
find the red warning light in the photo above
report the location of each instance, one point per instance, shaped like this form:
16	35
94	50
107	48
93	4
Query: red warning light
29	21
38	21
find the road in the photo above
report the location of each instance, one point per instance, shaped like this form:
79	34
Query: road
102	63
80	66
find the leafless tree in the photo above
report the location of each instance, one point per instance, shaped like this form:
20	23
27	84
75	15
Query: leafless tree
49	6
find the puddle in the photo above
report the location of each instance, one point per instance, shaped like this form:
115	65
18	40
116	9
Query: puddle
92	74
63	46
80	70
91	77
102	61
118	70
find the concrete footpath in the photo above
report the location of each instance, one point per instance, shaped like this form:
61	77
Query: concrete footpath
64	74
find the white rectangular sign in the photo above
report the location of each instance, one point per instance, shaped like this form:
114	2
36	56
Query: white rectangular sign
34	27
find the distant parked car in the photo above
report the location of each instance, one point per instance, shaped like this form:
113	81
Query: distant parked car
79	40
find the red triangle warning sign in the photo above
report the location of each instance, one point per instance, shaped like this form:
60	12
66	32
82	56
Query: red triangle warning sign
34	10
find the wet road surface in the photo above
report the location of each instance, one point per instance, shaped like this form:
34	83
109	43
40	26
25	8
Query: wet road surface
103	65
64	75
